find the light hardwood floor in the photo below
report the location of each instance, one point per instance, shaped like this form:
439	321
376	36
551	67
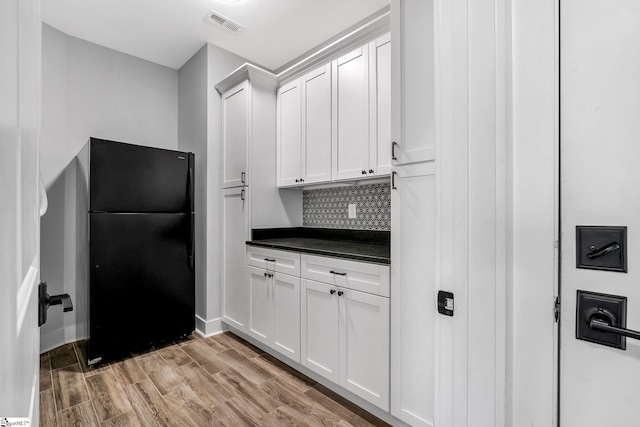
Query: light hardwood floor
217	381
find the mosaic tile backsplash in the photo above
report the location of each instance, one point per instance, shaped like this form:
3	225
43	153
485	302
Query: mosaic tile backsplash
329	207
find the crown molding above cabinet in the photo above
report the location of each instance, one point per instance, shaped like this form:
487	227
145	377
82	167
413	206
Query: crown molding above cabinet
358	37
364	34
256	75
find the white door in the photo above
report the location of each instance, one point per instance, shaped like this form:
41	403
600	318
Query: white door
413	293
600	182
19	207
380	120
235	135
289	134
351	94
364	339
412	80
234	236
259	301
316	125
285	315
320	329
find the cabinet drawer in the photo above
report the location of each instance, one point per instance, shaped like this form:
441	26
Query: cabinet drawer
274	260
360	276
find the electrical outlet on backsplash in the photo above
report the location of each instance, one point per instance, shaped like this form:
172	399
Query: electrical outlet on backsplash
329	207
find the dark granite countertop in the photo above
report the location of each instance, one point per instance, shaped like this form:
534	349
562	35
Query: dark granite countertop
359	245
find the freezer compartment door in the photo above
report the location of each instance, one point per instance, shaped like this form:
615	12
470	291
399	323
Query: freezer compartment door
142	285
132	178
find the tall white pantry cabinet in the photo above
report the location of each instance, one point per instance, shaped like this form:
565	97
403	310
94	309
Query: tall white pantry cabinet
413	214
248	120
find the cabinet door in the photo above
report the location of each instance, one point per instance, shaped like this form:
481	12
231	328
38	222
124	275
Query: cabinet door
316	124
412	80
235	223
285	316
289	134
259	301
413	294
364	334
351	93
380	73
320	329
235	136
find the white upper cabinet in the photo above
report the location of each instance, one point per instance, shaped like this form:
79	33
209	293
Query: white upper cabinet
316	126
380	96
235	136
334	123
304	129
412	81
289	146
351	112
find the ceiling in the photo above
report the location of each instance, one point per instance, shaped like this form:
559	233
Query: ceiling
169	32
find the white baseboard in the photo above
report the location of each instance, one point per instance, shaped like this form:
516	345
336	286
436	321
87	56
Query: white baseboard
69	334
208	328
57	338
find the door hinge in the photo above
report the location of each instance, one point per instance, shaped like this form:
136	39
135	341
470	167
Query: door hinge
556	309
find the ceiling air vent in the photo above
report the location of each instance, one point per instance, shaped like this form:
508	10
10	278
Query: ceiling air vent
221	20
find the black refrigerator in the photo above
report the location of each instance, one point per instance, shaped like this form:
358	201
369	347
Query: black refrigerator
141	248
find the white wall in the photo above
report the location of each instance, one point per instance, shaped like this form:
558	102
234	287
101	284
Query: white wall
192	136
89	90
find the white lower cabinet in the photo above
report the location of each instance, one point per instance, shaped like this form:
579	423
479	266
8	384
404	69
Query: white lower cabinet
345	338
332	328
413	294
274	310
235	211
320	329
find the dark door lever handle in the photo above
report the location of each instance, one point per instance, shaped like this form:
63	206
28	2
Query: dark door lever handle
597	253
45	301
603	326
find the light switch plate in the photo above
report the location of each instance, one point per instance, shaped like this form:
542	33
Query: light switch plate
352	210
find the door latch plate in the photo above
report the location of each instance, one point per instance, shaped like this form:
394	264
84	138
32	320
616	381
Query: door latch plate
445	303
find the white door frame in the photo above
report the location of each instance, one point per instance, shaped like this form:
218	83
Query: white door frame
497	167
533	213
473	198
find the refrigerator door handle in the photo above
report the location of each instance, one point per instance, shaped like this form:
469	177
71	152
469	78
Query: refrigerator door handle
191	213
191	181
193	241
